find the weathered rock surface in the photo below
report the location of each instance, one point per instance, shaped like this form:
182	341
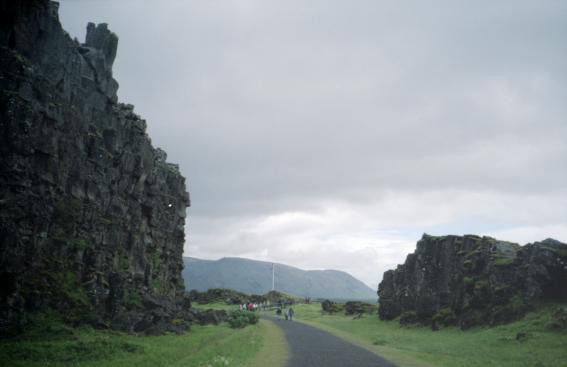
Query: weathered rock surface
91	215
469	280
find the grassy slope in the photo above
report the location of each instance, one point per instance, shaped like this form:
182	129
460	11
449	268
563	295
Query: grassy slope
54	344
451	347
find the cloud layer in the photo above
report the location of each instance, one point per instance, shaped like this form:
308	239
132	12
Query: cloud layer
331	134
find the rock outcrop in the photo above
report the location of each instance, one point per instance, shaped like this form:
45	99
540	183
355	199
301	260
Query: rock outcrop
91	215
471	280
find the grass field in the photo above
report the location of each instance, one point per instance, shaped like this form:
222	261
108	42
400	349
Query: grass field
51	343
54	344
215	306
450	347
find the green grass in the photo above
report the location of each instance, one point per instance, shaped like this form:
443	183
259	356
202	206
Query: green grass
274	351
215	306
451	347
54	344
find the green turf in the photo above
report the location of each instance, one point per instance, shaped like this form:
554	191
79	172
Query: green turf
451	347
215	306
53	344
274	351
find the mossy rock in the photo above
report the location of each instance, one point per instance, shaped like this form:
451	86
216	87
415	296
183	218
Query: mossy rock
513	310
502	261
561	252
409	317
81	244
481	285
132	299
468	281
71	289
66	213
558	322
445	317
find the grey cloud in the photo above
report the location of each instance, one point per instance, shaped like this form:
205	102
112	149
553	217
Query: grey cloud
272	107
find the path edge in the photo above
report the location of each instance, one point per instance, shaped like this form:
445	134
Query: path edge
274	351
391	355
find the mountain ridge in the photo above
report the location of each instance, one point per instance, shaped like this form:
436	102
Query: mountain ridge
255	277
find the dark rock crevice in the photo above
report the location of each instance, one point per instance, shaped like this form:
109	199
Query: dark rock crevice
91	216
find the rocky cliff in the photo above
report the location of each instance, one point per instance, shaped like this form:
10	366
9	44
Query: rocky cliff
472	280
91	215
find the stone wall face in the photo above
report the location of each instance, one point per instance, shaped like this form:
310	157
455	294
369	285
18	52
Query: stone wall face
472	280
91	215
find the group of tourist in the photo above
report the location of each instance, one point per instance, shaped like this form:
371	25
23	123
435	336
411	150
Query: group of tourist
282	308
249	306
287	313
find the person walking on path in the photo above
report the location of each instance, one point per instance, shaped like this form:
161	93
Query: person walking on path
290	313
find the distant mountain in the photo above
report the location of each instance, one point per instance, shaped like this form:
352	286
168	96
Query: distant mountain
255	277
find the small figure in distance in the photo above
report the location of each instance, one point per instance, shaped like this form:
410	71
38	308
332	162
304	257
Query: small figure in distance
290	313
279	313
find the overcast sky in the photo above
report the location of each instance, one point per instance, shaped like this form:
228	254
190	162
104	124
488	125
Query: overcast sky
332	134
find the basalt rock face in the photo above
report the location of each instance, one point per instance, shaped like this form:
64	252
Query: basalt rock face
91	215
472	280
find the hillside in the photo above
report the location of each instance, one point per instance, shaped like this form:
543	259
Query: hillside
255	277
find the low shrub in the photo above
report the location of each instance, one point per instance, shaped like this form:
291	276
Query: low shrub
331	307
445	317
241	318
356	308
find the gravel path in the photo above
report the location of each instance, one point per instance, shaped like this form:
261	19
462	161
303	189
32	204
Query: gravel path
311	347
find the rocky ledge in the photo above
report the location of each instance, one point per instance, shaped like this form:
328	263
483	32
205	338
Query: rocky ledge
91	214
471	280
